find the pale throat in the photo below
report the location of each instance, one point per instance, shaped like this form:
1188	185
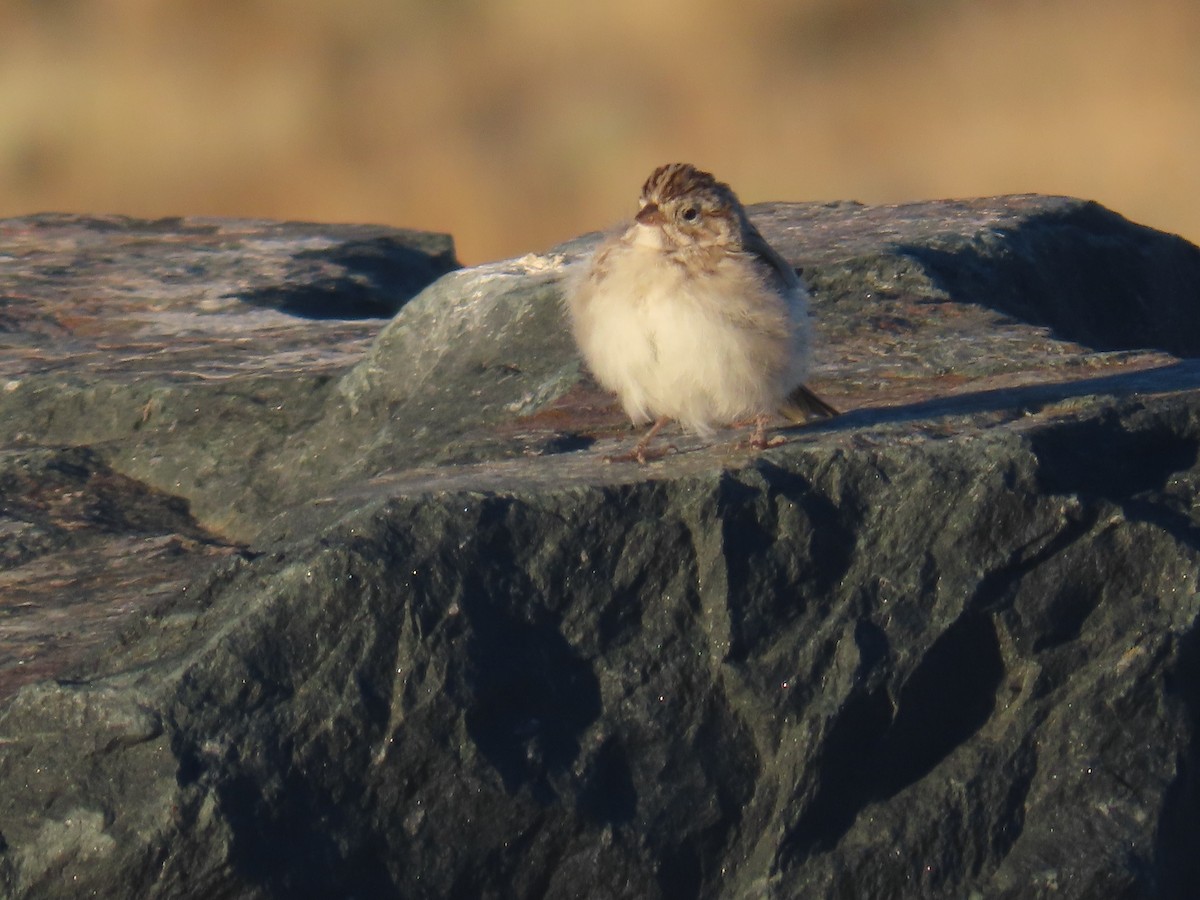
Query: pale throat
649	236
655	237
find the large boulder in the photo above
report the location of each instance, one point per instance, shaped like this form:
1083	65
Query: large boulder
298	603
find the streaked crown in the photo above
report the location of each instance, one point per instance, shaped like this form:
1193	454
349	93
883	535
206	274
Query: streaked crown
677	180
692	208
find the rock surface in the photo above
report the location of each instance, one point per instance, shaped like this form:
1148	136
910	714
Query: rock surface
299	603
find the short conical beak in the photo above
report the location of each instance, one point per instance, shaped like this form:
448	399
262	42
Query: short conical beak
650	214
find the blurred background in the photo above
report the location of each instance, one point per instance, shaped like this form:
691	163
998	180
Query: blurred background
515	124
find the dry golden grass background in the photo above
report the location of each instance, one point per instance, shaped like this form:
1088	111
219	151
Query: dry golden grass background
514	124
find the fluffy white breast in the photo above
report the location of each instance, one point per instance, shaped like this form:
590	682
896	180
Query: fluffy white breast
706	349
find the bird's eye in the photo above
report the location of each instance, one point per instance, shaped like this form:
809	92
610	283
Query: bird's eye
690	214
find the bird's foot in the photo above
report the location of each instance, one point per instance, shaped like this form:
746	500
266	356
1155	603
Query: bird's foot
642	455
759	440
765	443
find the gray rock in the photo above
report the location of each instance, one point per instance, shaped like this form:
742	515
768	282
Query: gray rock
432	645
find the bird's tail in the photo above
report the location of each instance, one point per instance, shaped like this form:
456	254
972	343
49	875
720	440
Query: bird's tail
802	405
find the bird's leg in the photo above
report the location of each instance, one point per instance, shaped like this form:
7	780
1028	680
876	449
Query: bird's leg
640	452
759	440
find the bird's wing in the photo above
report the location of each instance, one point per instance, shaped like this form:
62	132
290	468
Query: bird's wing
784	275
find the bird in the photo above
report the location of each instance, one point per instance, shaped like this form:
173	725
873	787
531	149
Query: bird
688	314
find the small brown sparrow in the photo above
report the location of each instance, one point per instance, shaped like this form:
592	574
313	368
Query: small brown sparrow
690	315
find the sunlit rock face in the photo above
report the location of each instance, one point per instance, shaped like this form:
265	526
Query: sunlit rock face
300	600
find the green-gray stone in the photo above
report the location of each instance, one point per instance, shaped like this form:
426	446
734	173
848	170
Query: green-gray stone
411	636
